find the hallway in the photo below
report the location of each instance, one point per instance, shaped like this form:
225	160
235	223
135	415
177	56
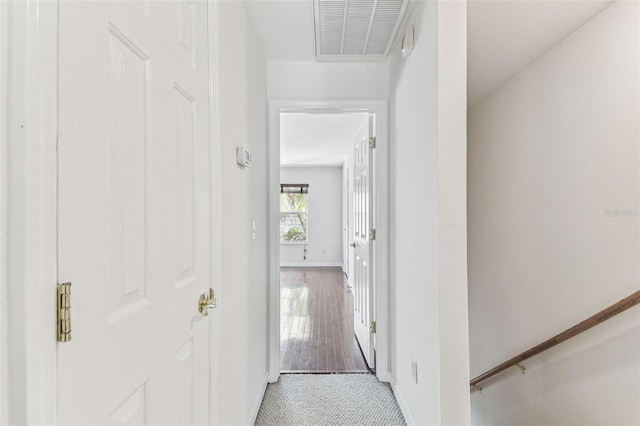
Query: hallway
316	322
184	184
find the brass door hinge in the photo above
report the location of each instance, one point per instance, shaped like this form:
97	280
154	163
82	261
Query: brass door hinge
64	312
372	235
372	327
372	143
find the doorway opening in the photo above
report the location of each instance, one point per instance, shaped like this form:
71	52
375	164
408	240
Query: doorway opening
316	298
328	238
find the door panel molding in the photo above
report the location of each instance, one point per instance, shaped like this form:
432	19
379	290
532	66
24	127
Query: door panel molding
380	217
363	254
29	285
133	211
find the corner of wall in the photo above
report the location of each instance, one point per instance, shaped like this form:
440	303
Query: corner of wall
242	346
452	213
429	155
253	414
402	403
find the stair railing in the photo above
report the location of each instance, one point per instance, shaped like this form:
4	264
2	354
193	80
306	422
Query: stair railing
592	321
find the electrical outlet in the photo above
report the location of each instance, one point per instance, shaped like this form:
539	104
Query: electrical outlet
324	251
414	370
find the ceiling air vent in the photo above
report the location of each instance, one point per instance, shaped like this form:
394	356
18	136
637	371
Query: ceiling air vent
356	29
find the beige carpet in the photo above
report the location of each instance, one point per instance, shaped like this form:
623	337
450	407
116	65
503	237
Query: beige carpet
329	399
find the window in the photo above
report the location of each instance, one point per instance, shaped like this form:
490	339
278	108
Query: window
293	213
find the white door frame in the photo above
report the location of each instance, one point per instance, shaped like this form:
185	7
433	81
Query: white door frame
4	368
28	268
32	204
381	223
216	203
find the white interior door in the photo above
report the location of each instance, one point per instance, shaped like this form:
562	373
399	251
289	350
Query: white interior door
347	226
134	215
362	249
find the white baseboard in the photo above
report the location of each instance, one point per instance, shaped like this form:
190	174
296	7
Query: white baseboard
310	264
384	376
258	402
404	408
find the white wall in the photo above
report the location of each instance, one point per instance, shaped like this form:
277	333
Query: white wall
240	346
315	81
428	223
552	155
324	247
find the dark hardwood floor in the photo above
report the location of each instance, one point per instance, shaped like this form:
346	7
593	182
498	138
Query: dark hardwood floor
316	322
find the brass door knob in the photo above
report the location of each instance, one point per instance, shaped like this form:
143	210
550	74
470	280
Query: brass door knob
353	245
206	302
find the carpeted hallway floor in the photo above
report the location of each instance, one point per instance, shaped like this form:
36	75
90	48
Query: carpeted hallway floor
329	399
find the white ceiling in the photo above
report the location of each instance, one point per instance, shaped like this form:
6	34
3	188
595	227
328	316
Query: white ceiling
284	27
503	37
317	139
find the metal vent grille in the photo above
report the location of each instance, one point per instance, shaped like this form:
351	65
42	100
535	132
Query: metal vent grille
356	28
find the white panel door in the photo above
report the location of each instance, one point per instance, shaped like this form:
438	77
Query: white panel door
134	211
347	225
362	258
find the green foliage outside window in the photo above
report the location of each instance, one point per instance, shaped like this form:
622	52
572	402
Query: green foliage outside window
293	217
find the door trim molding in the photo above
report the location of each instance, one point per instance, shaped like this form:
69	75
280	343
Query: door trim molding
4	56
215	200
32	210
381	223
257	403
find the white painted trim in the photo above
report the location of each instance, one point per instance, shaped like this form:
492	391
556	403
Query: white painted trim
381	244
4	368
215	206
253	415
381	220
313	166
404	408
273	222
311	264
32	212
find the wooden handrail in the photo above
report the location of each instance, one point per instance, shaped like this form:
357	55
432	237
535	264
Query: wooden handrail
590	322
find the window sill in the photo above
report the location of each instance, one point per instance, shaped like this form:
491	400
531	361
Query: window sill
293	243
